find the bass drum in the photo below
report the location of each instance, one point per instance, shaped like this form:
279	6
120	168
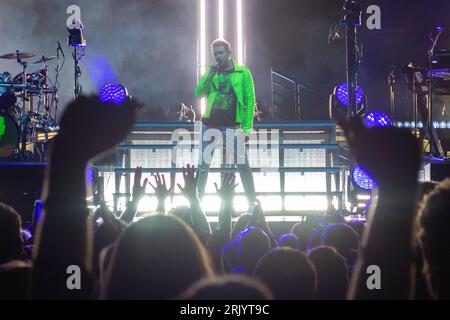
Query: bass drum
9	135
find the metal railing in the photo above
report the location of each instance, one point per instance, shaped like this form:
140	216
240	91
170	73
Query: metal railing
325	132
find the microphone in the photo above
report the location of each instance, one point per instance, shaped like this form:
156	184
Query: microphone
214	67
60	49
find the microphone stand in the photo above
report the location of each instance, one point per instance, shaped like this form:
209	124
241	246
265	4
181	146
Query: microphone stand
430	133
24	117
78	43
77	58
352	20
391	83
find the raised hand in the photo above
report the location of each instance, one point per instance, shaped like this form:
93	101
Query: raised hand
226	190
190	182
214	68
89	127
138	189
258	218
391	155
161	190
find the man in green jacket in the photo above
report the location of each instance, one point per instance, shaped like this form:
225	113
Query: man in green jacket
230	108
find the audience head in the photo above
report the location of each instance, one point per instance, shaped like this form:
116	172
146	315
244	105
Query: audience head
288	240
425	187
10	234
229	287
105	235
434	237
358	226
183	213
253	243
14	280
288	273
332	273
344	239
156	258
241	224
303	230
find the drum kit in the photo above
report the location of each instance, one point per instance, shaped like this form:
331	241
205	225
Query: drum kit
28	107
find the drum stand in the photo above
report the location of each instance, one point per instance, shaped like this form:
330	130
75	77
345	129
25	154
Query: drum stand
24	118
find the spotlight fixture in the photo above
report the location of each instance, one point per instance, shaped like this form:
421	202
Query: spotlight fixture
339	102
362	179
75	38
113	92
341	93
377	119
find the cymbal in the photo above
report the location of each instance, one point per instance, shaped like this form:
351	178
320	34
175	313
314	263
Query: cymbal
14	55
45	59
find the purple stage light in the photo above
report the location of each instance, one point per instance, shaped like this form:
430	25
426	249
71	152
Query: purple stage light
362	178
342	94
113	92
377	119
90	176
101	71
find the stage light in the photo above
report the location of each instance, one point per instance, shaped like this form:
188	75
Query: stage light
221	19
211	203
202	48
363	197
362	178
75	38
341	93
202	36
147	204
101	71
113	92
377	119
338	103
420	125
406	124
90	176
271	203
442	125
240	203
312	203
435	124
179	201
240	38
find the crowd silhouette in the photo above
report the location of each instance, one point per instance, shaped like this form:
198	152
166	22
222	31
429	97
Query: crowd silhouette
177	254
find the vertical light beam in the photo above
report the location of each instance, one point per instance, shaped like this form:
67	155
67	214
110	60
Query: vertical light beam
202	47
202	36
221	19
240	40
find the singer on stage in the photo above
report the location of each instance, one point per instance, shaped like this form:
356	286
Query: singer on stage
230	108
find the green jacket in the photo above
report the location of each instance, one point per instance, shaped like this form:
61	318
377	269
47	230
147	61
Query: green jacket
242	82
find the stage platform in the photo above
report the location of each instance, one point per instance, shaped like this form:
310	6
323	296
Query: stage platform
300	168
